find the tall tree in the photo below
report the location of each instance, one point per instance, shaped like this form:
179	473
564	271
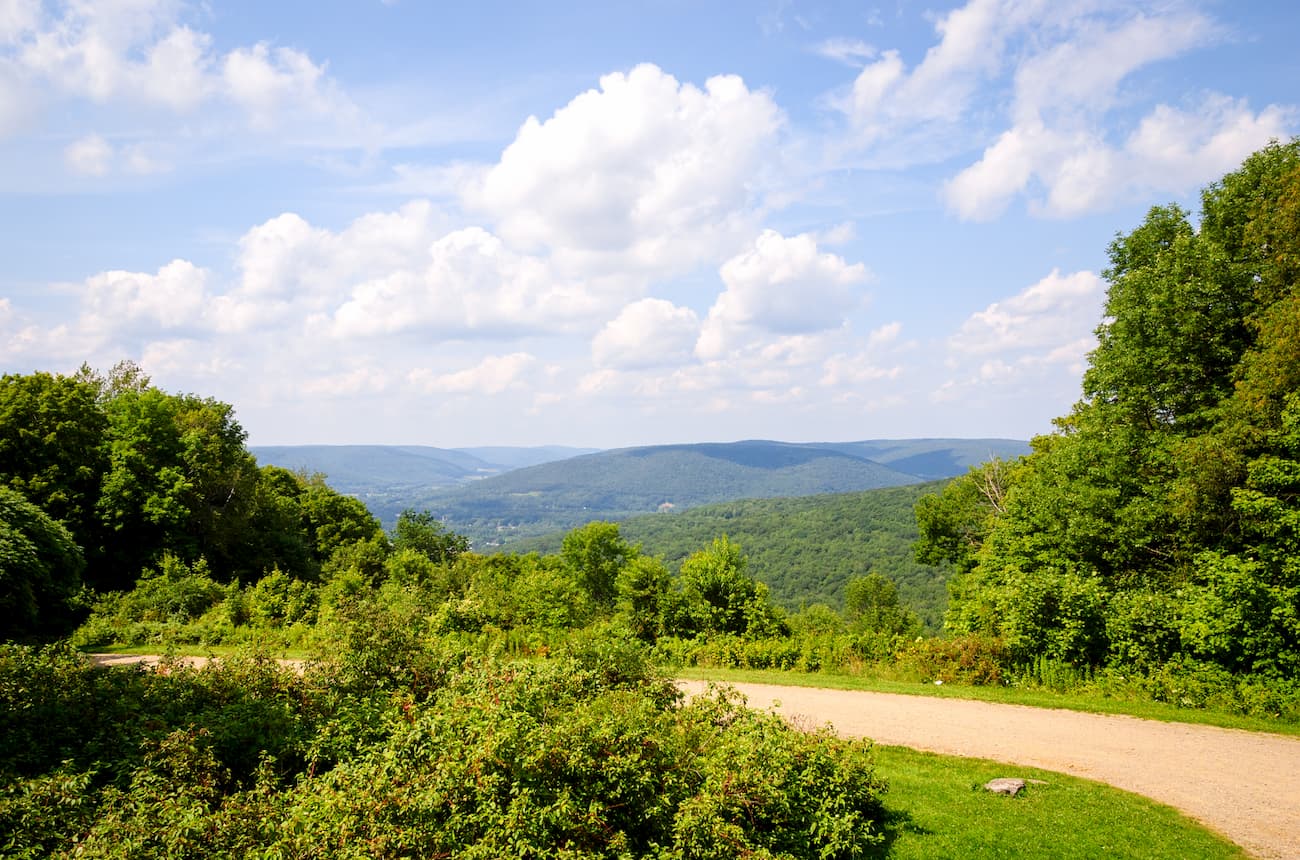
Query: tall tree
40	569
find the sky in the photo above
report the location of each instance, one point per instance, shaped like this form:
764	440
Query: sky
606	224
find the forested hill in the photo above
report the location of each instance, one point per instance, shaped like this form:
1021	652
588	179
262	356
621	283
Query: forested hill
615	485
360	469
806	549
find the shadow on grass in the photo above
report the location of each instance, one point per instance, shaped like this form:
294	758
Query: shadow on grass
893	823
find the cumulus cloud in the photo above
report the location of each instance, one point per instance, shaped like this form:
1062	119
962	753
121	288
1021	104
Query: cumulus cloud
1037	340
493	375
173	298
887	98
647	333
1045	85
140	54
644	172
470	283
269	82
779	285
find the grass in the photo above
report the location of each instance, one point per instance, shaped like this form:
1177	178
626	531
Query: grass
935	809
1089	703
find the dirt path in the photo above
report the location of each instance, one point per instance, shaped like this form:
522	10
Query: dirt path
1245	785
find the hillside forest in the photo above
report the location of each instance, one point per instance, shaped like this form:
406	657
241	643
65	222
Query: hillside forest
520	703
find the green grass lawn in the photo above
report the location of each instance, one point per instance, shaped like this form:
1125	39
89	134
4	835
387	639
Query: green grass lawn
935	809
1089	703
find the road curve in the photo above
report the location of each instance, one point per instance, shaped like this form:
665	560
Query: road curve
1245	785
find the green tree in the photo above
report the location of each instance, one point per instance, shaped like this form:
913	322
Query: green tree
718	596
595	553
40	569
334	521
1154	519
52	447
642	590
423	533
871	605
179	480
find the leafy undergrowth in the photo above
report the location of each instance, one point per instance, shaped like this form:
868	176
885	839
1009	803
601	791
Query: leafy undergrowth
396	749
1094	703
935	810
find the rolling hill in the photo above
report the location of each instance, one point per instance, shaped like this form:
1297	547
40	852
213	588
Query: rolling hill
615	485
391	478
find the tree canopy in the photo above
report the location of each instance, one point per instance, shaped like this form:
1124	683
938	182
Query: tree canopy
1158	521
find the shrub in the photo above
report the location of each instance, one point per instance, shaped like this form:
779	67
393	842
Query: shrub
969	659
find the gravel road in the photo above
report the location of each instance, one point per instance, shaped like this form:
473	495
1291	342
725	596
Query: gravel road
1245	785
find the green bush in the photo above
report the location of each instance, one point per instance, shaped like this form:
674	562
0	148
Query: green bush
969	659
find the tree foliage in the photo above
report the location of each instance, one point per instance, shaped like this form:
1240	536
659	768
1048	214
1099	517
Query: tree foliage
1158	522
40	567
136	474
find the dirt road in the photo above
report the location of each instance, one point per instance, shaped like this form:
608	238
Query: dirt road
1245	785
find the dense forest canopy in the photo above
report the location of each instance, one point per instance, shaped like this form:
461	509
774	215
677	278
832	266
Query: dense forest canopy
1161	520
131	474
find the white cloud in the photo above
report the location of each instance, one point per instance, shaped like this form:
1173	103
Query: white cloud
1058	309
470	283
91	156
293	270
346	384
177	72
1046	88
1034	344
493	375
780	286
645	173
848	51
175	297
270	82
886	98
1071	173
138	54
647	333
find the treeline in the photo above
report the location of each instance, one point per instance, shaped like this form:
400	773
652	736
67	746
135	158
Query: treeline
805	549
527	604
103	476
1158	528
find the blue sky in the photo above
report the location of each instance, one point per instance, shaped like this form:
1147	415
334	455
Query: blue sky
606	224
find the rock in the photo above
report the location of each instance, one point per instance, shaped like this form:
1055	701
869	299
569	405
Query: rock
1005	785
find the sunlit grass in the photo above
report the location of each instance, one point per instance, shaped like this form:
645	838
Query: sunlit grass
935	809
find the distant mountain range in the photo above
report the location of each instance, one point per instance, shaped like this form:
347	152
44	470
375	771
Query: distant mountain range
496	495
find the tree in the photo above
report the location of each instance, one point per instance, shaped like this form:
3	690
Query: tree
871	605
40	568
642	591
334	521
718	596
954	522
179	480
1158	519
595	553
424	534
51	447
